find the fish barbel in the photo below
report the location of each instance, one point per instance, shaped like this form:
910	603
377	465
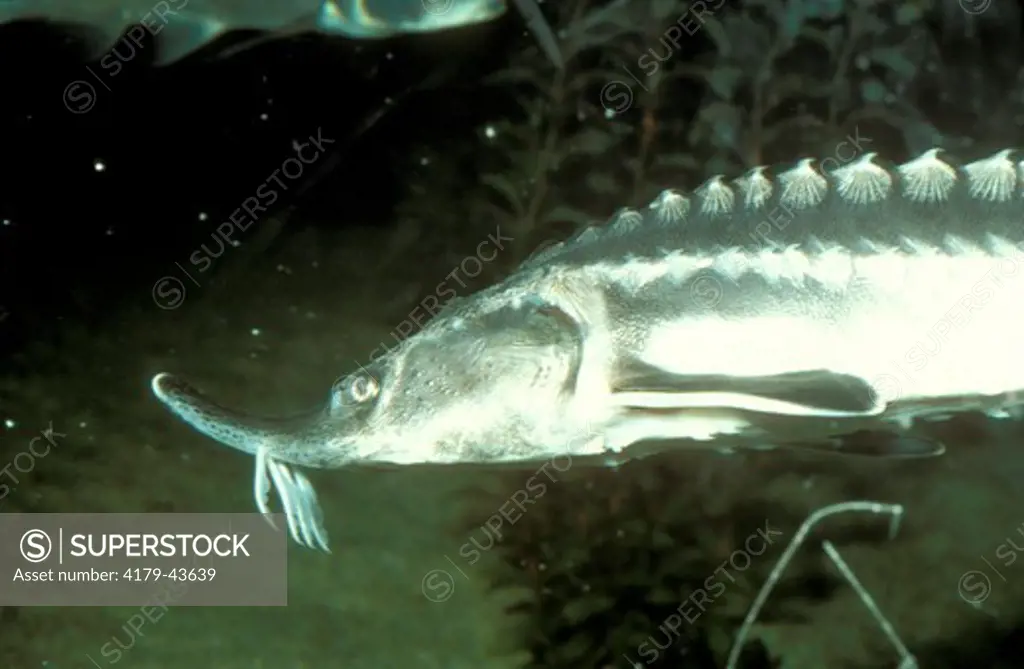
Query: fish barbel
825	305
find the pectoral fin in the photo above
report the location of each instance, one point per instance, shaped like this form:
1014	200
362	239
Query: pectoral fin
813	393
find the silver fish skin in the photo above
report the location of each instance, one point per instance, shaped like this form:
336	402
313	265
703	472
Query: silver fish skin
181	27
792	306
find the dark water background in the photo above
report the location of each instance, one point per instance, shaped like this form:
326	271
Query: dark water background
112	188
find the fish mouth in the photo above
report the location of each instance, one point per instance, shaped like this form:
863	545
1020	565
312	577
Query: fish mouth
258	437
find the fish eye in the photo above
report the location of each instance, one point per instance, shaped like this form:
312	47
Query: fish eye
363	388
354	389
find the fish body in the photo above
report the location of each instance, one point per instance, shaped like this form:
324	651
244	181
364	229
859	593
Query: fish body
829	306
180	27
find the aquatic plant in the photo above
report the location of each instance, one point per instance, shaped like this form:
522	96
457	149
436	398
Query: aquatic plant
648	564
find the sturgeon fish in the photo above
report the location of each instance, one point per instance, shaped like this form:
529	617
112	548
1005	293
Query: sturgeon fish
181	27
830	309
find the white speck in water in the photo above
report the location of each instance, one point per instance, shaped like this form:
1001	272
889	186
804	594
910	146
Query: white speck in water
202	216
7	221
83	424
609	113
255	332
99	165
110	232
264	116
8	423
490	132
424	161
389	55
389	101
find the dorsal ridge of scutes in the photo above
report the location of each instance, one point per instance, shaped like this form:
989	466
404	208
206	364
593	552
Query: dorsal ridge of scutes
929	180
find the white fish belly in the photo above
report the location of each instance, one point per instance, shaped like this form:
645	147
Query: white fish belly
952	326
917	326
